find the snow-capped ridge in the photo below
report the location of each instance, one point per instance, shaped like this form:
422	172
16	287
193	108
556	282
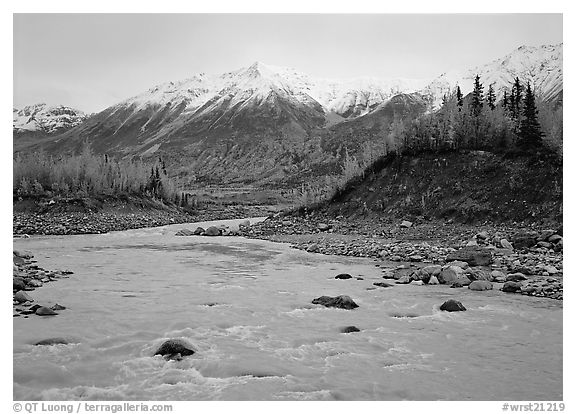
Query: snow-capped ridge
44	118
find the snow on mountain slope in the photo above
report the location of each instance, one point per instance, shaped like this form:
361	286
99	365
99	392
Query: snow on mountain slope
539	65
46	119
347	98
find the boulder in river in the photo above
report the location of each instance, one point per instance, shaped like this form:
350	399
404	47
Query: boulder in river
341	302
175	349
45	311
52	341
473	255
480	285
349	329
433	280
343	276
212	231
22	297
512	287
452	305
199	231
382	284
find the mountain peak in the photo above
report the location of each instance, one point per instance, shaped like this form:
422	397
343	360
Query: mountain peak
47	119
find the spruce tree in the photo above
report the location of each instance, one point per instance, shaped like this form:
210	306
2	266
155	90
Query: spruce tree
505	100
459	98
491	98
515	99
530	133
477	97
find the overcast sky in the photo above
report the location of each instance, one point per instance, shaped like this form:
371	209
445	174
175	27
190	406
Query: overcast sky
92	61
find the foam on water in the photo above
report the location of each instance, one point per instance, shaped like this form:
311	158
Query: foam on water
245	306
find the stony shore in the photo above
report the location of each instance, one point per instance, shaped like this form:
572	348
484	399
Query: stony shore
27	277
513	258
29	223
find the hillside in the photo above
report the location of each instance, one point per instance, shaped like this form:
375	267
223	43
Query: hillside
467	187
264	124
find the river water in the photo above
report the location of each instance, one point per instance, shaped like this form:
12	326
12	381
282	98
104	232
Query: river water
246	307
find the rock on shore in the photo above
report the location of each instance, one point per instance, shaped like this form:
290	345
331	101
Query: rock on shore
28	276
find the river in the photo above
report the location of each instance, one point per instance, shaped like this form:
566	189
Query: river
246	307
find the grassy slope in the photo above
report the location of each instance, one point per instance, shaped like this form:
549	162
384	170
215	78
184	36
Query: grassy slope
468	187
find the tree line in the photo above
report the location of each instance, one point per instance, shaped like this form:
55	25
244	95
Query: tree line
479	121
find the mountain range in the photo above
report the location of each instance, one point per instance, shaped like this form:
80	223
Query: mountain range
264	123
44	119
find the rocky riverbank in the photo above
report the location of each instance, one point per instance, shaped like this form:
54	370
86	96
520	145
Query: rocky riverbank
60	223
513	258
27	277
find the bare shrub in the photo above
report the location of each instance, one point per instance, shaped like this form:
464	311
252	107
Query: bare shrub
87	174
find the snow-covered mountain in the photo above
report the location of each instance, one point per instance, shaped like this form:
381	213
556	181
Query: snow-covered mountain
346	98
46	119
541	66
261	121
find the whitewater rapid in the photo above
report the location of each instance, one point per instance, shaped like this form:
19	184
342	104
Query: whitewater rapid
246	307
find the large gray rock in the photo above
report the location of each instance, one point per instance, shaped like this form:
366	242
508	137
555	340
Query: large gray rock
45	311
524	239
349	329
432	270
22	297
212	231
52	341
199	231
474	256
451	274
497	276
175	349
478	274
382	284
406	224
341	302
343	276
18	283
480	285
452	306
512	287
